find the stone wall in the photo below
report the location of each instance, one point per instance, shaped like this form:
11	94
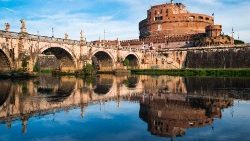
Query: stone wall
218	58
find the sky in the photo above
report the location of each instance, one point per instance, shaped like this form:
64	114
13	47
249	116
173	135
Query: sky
119	18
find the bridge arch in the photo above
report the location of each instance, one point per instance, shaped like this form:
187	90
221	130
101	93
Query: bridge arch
133	60
103	60
66	59
5	62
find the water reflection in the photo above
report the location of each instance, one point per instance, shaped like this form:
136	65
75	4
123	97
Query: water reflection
103	84
169	106
5	89
56	89
171	114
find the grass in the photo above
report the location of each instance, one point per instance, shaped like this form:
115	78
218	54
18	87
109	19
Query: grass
47	71
196	72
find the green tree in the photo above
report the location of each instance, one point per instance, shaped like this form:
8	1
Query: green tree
88	69
25	62
238	42
37	68
126	62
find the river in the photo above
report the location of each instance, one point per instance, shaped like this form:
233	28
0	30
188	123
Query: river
125	108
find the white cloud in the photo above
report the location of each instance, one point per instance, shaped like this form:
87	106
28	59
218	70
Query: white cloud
122	22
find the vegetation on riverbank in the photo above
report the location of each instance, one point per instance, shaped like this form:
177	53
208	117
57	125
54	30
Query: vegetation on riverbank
196	72
88	70
19	74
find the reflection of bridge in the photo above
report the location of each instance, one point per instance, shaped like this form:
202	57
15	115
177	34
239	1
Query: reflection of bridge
47	94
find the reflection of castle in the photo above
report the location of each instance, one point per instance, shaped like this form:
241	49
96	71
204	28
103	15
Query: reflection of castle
167	116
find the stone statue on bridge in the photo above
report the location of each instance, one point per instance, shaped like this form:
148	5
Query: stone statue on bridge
82	38
7	27
23	25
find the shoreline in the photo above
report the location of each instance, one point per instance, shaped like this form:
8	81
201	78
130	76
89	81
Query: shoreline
178	72
195	72
18	75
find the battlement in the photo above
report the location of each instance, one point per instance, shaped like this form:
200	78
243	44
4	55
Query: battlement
161	39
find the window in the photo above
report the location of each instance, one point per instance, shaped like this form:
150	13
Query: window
167	12
160	18
192	17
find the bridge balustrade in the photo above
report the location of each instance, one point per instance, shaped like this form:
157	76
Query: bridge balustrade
33	37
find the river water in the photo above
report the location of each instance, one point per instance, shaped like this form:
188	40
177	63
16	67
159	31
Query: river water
125	108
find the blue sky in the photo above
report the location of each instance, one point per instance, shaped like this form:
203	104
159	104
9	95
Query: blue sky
119	17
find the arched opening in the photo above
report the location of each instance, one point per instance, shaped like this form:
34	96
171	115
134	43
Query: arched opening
56	58
102	61
131	61
103	85
5	65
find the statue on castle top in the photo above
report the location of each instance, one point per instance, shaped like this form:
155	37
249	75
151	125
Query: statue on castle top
7	27
81	33
23	25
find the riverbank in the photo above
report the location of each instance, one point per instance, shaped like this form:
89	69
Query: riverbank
17	75
180	72
196	72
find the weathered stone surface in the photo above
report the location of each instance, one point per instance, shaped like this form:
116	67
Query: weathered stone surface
225	58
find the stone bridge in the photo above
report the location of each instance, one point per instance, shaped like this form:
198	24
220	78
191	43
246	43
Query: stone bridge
72	55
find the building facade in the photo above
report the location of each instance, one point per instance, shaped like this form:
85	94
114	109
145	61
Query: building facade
172	19
171	25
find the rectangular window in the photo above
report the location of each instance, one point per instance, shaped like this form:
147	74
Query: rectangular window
160	18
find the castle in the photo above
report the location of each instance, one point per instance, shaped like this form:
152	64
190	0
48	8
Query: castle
171	25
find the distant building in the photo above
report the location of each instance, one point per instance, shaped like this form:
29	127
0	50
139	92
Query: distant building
171	25
173	19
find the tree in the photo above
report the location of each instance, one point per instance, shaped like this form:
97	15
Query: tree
25	62
88	69
37	68
238	42
126	62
